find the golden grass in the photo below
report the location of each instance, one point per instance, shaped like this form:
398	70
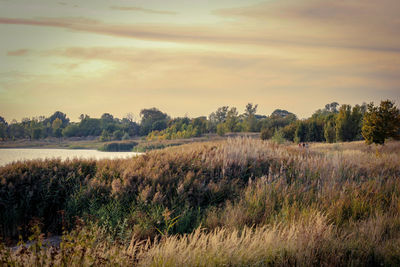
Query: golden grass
259	203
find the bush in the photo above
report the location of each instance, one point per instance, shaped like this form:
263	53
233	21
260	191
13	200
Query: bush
126	137
118	147
266	133
117	135
221	130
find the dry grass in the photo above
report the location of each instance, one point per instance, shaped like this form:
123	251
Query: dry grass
240	202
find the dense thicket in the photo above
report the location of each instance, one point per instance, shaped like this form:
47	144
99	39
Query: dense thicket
330	124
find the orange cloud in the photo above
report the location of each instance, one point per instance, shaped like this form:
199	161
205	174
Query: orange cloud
140	9
228	34
19	52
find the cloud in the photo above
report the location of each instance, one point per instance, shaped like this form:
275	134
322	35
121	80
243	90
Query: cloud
19	52
140	9
221	35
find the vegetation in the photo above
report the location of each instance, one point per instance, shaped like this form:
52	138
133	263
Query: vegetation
118	146
235	202
330	124
381	123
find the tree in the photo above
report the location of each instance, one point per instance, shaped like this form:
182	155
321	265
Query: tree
250	118
71	130
221	129
332	107
57	115
301	132
149	117
348	123
381	123
117	135
330	131
3	128
105	136
232	120
56	126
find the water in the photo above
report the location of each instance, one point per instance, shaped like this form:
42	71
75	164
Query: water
11	155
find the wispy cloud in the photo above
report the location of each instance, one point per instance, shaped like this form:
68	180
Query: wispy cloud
213	35
19	52
141	9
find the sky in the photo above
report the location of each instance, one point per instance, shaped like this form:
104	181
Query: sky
188	58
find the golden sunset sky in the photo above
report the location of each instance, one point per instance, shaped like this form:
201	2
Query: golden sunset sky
191	57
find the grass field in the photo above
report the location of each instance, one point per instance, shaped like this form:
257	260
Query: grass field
235	202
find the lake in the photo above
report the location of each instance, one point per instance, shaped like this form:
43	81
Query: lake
16	154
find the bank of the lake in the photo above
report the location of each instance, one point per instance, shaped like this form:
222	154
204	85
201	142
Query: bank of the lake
9	155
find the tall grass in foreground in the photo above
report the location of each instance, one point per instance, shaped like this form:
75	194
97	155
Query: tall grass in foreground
236	202
310	241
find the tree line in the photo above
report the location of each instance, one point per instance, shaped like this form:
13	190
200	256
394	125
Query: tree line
333	123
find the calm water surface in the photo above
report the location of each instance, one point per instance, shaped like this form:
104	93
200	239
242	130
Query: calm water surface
11	155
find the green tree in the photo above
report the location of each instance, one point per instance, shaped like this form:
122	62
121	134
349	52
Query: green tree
232	120
217	117
56	126
3	128
300	134
105	136
221	129
381	123
250	118
117	135
330	131
348	123
149	119
71	130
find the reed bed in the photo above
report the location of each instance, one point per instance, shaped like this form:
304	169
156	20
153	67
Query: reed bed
227	203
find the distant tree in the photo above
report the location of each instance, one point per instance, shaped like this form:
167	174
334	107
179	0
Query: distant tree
381	123
330	131
280	113
200	123
148	119
289	131
105	136
250	118
221	129
232	120
71	130
36	133
332	107
57	115
217	117
221	114
83	116
56	126
3	121
315	130
90	127
3	128
348	123
301	132
117	135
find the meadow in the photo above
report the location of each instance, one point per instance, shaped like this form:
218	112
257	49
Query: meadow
234	202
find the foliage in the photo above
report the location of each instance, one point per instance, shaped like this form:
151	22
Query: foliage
118	146
381	123
258	203
266	134
152	119
348	123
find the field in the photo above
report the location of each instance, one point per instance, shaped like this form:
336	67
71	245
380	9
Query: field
234	202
